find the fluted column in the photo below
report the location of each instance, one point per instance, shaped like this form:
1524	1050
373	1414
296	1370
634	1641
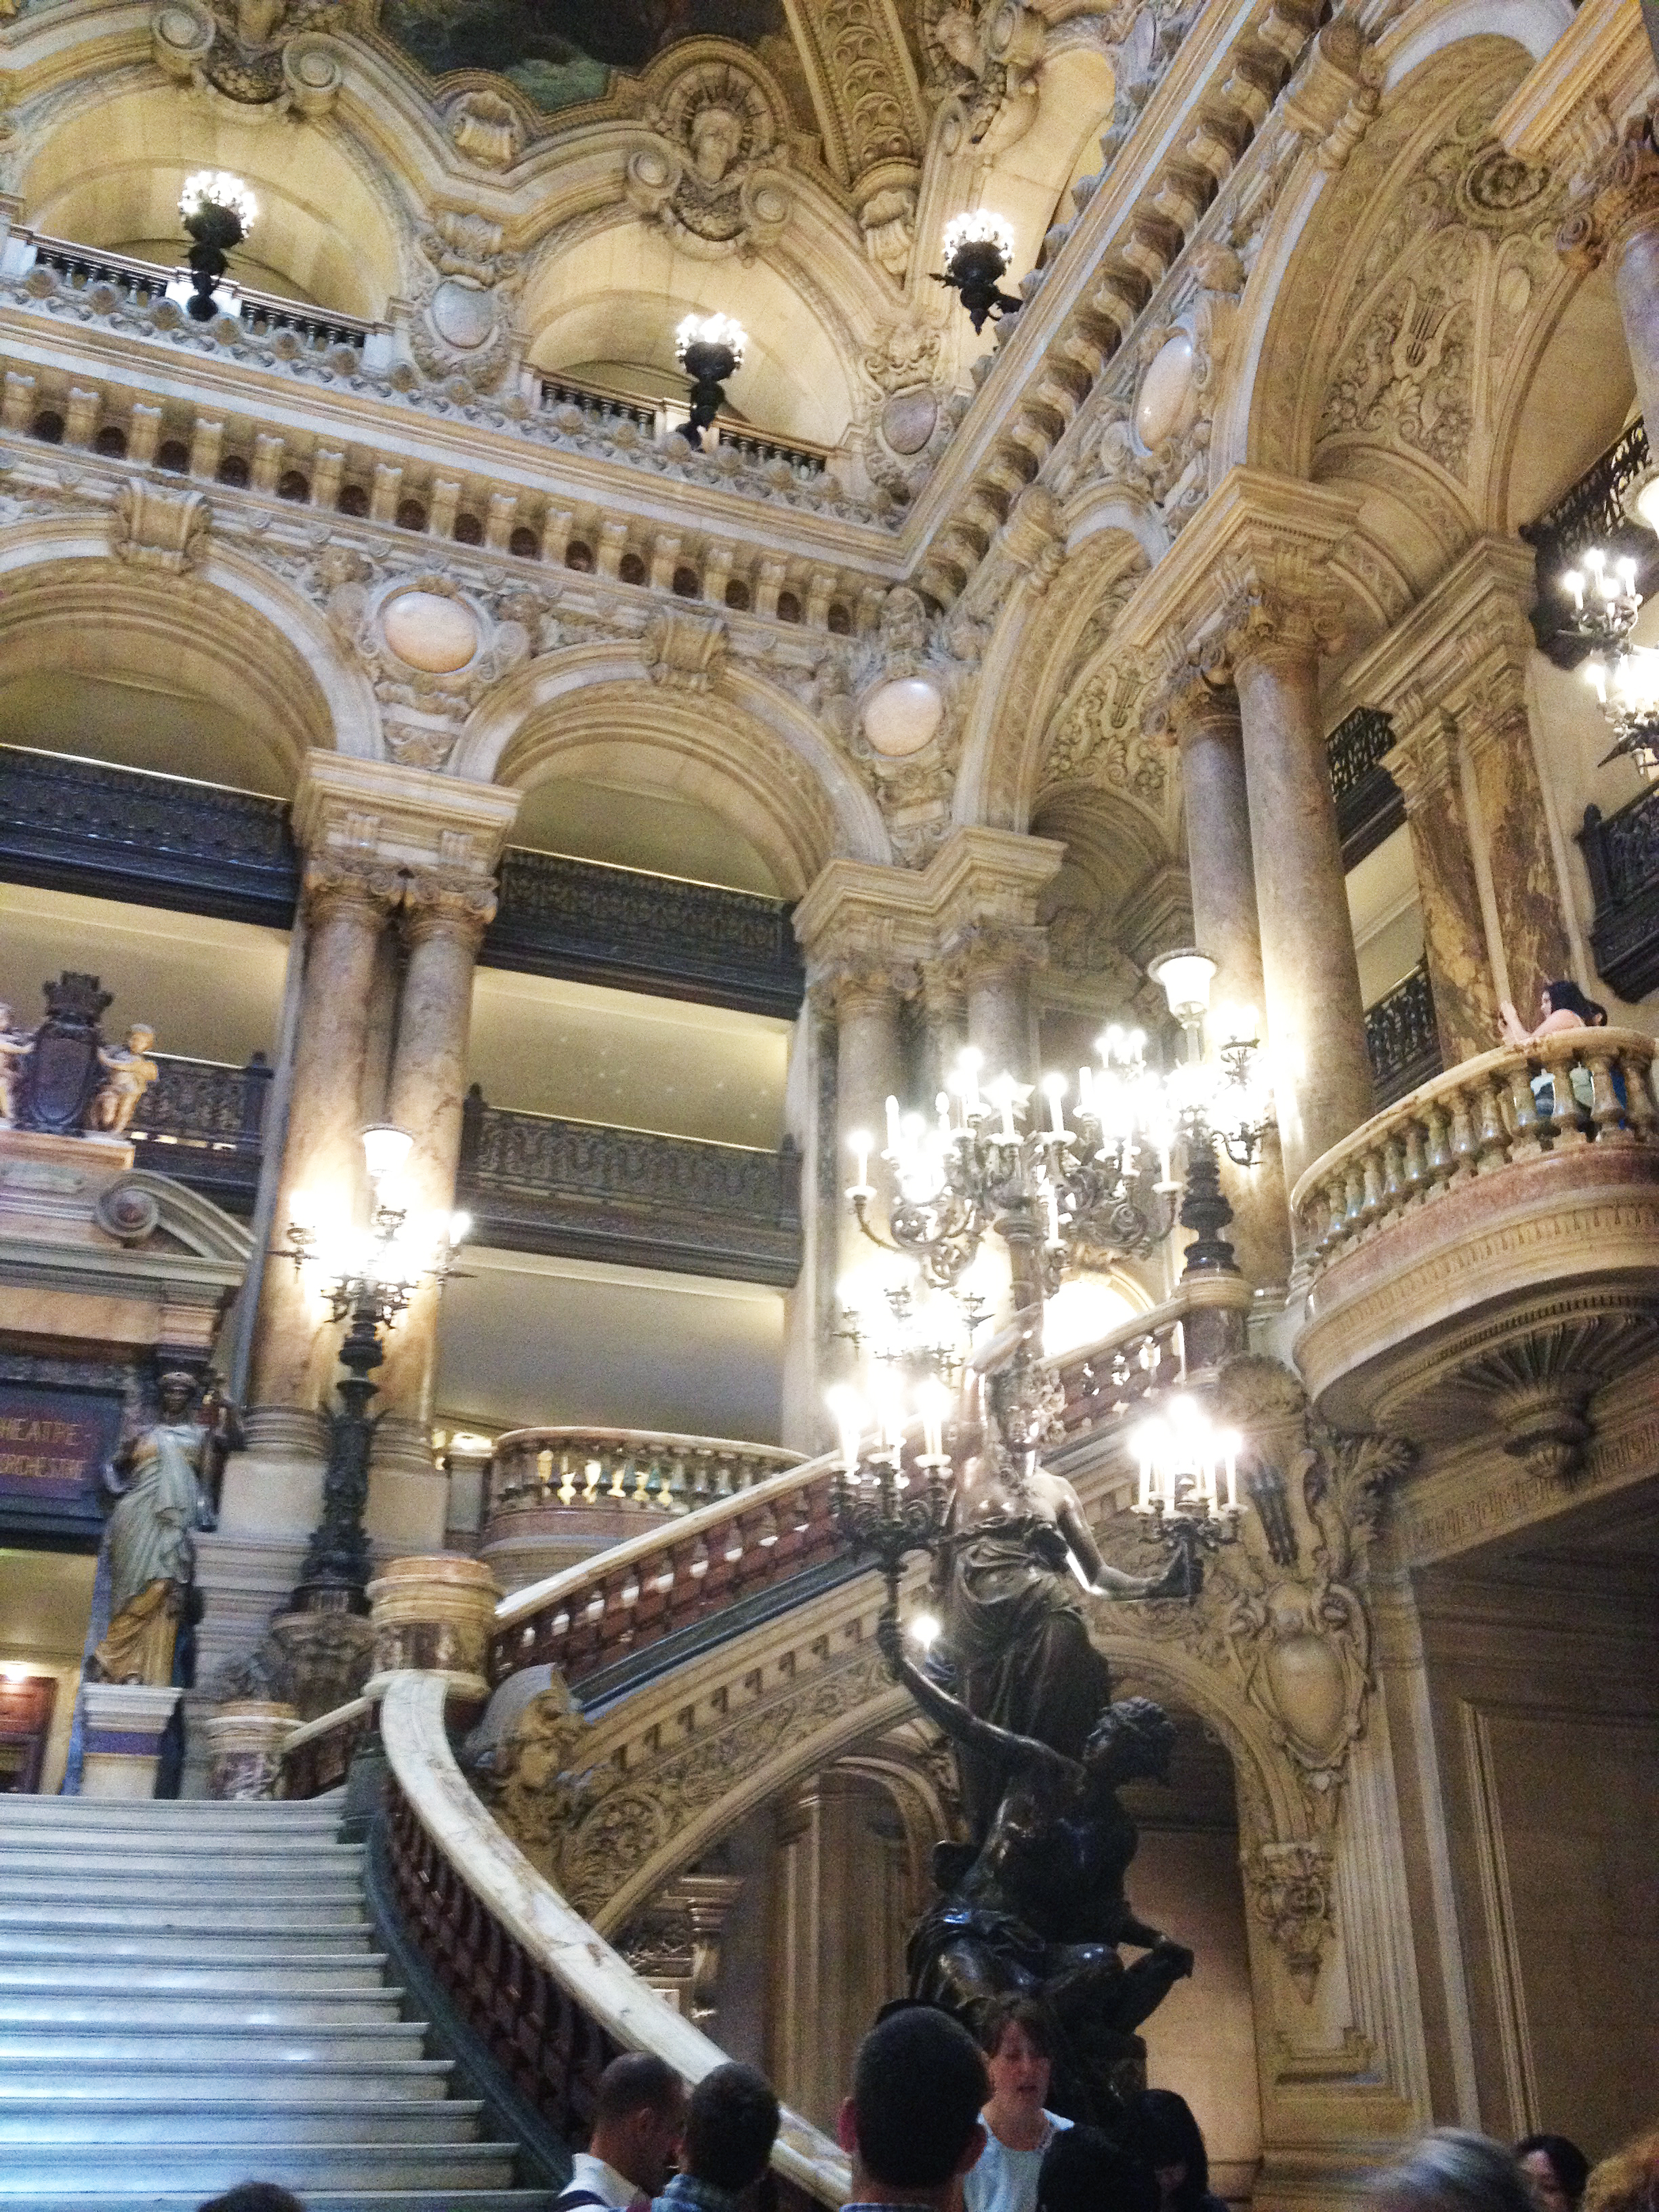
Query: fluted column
997	960
1310	977
944	1020
347	910
1424	763
444	920
1204	719
1614	216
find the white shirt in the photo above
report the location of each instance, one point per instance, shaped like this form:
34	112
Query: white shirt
588	2172
1003	2180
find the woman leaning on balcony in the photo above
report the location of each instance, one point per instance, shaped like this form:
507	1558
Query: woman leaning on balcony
1563	1007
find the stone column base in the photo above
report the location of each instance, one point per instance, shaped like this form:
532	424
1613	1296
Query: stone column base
244	1744
124	1725
408	1496
436	1614
245	1582
274	1486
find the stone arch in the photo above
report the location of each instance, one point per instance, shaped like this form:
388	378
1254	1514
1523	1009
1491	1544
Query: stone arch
749	753
226	631
330	226
1043	638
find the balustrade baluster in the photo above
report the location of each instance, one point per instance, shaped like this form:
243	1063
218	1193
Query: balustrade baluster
1465	1146
1556	1056
1439	1152
1492	1140
1607	1110
1393	1175
1637	1067
1370	1168
1353	1206
1522	1115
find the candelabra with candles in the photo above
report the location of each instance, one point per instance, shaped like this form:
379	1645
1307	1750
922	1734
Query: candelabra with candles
978	248
1188	1486
1097	1183
368	1276
710	349
1625	676
218	211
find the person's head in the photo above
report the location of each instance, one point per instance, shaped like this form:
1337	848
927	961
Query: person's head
1564	996
1453	2171
639	2116
1084	2171
1628	2181
912	2125
1018	2043
1163	2135
1131	1741
140	1037
254	2196
1555	2171
731	2125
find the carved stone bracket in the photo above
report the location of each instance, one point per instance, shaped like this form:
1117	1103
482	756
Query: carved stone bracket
1290	1886
269	54
1618	195
157	529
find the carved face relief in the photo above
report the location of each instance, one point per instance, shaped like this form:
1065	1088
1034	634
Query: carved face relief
716	141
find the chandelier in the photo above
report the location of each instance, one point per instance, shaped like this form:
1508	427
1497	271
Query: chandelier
1625	676
978	248
218	211
1089	1176
710	349
1188	1484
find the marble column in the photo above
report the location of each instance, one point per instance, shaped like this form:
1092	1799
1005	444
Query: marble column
944	1022
443	925
997	960
1496	730
869	1070
1614	216
1315	1014
1205	721
1425	762
347	910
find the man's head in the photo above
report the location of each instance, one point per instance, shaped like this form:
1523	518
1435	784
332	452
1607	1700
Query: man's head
730	2127
254	2196
1084	2171
639	2118
1131	1741
912	2123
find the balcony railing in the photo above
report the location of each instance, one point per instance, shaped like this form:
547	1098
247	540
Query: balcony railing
73	824
646	1469
1369	805
1590	513
535	1184
619	926
1402	1038
202	1122
1621	855
608	409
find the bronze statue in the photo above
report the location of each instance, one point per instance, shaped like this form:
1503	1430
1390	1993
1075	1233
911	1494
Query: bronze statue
156	1480
1039	1909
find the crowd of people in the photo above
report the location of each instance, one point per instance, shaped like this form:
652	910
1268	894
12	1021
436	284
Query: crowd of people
936	2123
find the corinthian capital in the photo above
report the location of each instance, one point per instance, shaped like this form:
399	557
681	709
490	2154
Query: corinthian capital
1194	698
436	903
1280	606
986	949
1618	196
332	885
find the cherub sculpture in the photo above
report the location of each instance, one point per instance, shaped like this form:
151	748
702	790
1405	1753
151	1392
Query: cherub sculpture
129	1072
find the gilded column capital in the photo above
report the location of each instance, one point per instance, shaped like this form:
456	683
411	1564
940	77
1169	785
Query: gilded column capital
439	904
1616	198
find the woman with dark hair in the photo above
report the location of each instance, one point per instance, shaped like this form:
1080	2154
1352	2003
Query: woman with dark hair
1562	1005
1018	2041
1555	2171
1163	2135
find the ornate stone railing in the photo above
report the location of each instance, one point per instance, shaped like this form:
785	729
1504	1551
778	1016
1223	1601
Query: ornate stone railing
650	1470
536	1183
550	1999
1368	804
1401	1037
1472	1121
559	916
1621	856
202	1122
1589	512
609	410
159	839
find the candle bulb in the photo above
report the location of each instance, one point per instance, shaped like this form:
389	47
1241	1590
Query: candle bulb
1053	1197
1232	1475
860	1145
942	1103
1575	583
893	1125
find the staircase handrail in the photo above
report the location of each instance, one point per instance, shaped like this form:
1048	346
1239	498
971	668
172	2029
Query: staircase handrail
509	1905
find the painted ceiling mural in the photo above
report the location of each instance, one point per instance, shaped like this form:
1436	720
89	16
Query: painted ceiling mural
558	52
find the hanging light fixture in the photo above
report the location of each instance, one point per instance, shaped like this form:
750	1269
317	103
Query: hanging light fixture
710	349
978	248
1625	676
219	211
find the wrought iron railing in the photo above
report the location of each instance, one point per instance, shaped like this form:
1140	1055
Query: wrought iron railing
579	919
537	1183
1621	856
261	313
202	1122
162	841
1369	805
1590	513
1402	1037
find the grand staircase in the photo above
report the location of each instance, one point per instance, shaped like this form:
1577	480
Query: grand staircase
188	1998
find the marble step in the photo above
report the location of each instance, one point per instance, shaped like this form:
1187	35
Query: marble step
208	2166
22	1811
221	1884
317	2200
166	1974
190	1837
274	1947
318	1919
277	2081
112	2041
26	2116
68	2000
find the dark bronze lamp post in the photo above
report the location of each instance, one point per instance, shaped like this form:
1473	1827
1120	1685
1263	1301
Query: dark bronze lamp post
218	211
710	349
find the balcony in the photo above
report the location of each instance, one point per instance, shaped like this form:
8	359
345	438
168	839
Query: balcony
1368	804
1482	1252
1401	1038
1621	857
1590	513
202	1122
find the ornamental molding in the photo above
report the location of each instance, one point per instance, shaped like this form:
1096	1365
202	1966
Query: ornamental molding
384	819
713	174
266	55
462	326
157	529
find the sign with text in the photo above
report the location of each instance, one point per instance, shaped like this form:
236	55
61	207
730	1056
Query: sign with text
53	1440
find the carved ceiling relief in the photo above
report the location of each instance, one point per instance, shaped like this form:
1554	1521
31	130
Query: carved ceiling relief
714	174
259	53
1283	1620
463	329
1441	299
